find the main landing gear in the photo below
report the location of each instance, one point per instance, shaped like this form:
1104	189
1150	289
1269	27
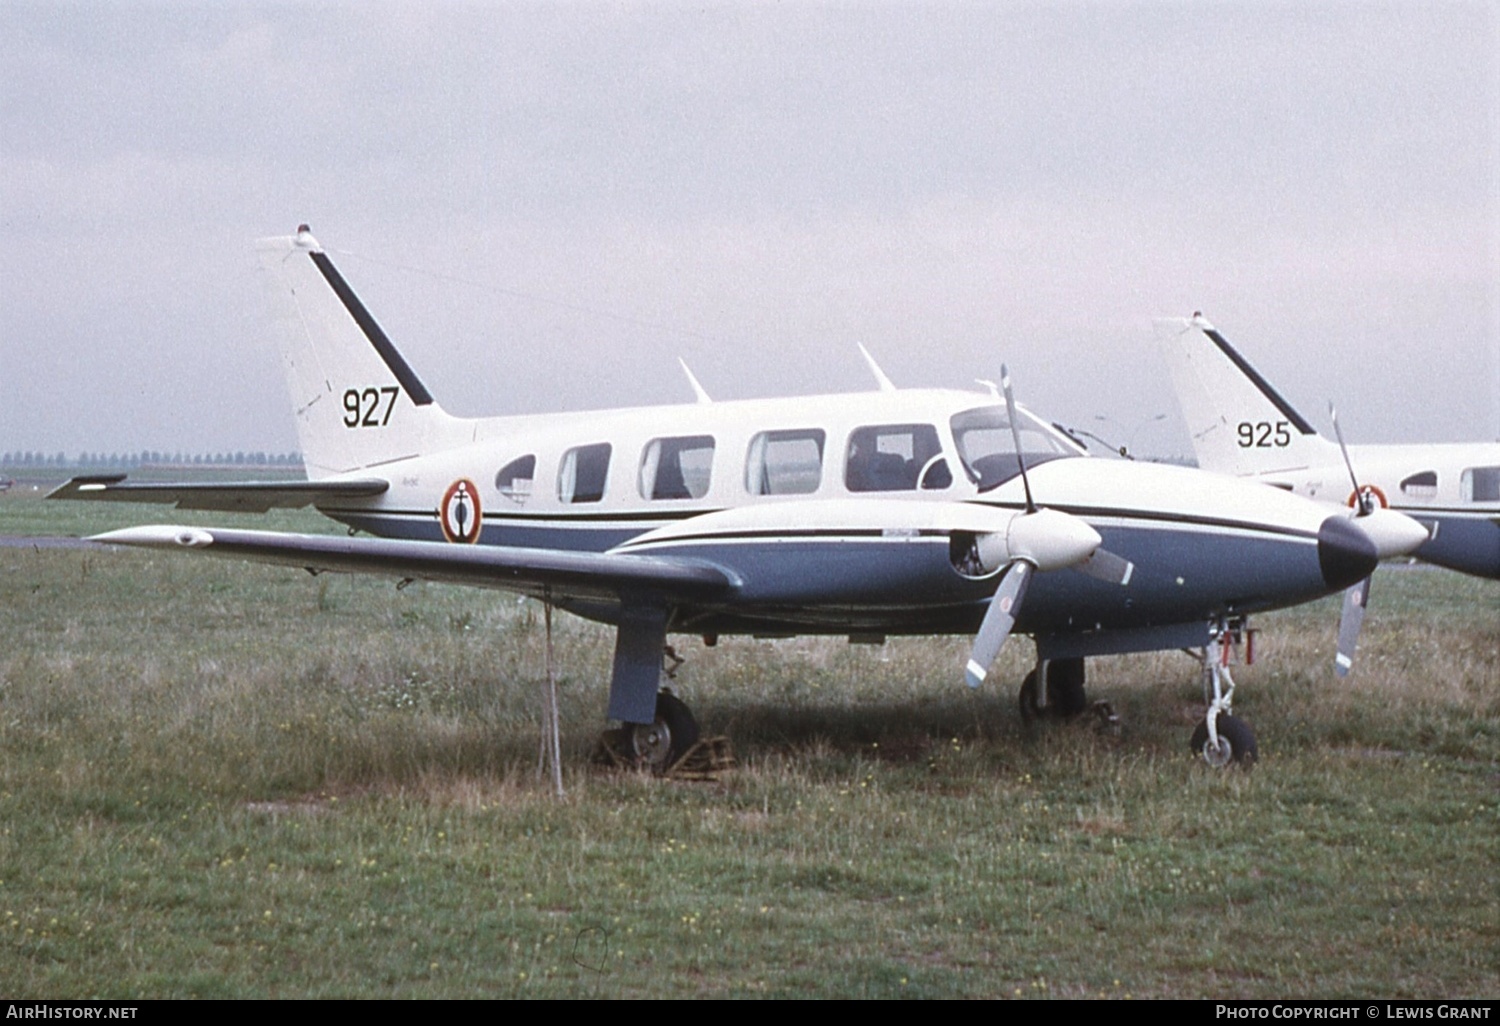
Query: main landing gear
659	744
1222	738
1063	696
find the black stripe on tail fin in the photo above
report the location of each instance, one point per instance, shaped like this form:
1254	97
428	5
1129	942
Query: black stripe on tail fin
1297	420
378	338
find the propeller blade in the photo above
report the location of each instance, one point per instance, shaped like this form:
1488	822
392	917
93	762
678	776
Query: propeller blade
1391	536
1106	566
998	621
1356	600
1361	496
1015	434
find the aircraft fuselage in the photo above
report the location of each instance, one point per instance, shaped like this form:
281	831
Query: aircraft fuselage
772	491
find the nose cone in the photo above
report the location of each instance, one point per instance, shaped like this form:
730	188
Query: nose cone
1345	553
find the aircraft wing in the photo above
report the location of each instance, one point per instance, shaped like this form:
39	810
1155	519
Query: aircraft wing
535	572
239	497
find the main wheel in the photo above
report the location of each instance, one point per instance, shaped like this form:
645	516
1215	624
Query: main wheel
1065	687
1065	694
1236	742
662	742
1029	709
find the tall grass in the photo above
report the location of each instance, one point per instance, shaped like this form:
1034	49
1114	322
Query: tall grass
225	780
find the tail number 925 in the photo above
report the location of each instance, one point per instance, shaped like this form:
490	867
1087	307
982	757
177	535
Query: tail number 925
1263	434
369	407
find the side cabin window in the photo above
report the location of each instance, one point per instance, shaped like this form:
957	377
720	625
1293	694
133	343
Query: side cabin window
583	473
514	480
677	468
1479	484
988	449
896	458
785	462
1420	486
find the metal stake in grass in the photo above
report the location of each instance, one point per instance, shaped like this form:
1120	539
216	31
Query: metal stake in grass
551	750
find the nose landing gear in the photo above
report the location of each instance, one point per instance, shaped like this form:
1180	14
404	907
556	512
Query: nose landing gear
1222	738
1233	742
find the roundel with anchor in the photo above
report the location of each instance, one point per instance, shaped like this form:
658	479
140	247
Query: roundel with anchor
459	513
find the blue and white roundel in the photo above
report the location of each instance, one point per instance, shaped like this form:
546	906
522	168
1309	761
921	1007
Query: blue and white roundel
459	513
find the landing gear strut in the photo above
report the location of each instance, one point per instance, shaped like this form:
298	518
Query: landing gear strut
1064	697
1222	738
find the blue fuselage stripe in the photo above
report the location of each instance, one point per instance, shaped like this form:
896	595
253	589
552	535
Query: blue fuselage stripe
858	580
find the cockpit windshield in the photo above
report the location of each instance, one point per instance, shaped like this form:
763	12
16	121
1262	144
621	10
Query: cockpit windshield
988	449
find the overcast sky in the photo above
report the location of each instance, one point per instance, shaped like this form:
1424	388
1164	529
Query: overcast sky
545	204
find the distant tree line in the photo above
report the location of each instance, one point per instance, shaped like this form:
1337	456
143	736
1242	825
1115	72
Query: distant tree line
151	457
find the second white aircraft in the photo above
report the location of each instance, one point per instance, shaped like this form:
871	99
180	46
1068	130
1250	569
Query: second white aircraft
1240	425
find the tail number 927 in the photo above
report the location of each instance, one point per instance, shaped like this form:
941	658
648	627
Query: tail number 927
370	407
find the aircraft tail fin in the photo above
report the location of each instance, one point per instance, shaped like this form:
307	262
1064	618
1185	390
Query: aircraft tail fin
1238	422
357	401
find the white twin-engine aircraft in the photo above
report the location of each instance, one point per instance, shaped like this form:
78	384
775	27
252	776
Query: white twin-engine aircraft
1242	426
889	512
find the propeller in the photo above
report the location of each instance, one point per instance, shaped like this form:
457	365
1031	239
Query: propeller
1365	502
1351	619
1038	539
998	621
1101	564
1105	566
1015	434
1357	597
1393	533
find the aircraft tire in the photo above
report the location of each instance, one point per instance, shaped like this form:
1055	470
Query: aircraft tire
1236	743
1029	709
1065	693
660	744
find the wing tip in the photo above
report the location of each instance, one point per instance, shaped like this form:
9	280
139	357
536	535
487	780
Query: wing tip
157	537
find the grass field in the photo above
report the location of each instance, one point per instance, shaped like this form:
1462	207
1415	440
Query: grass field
222	780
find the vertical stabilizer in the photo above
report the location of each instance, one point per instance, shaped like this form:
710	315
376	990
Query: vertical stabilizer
356	400
1239	423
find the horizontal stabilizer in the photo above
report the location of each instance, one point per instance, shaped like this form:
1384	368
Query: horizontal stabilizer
238	497
537	572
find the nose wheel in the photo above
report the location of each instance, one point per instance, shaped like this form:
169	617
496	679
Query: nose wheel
1234	742
1222	738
